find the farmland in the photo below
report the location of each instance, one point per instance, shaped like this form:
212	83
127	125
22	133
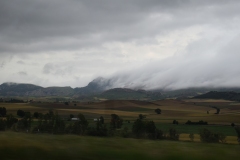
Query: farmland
180	110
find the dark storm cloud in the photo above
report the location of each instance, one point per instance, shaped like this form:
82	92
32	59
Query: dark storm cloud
33	26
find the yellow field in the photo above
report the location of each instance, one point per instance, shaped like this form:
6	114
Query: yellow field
193	109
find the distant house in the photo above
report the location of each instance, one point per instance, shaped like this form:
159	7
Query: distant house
95	119
74	119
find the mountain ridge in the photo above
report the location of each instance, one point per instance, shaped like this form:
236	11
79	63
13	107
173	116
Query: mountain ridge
101	88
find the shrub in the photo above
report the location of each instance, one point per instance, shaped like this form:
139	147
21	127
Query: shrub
173	135
2	124
158	111
209	137
191	136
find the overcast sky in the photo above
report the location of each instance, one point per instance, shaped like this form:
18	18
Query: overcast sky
145	44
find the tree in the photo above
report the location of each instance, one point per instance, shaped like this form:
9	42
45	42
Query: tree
25	123
175	121
210	137
36	114
173	135
2	124
116	121
80	126
138	128
144	128
3	111
59	125
20	113
10	120
237	129
71	116
140	116
191	136
101	120
158	111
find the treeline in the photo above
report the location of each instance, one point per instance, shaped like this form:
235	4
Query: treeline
12	101
196	123
142	128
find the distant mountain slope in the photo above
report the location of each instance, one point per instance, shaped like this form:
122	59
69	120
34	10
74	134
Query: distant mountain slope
96	86
126	93
15	89
102	88
233	96
52	91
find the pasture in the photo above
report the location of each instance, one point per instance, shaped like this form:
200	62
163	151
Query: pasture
44	146
180	110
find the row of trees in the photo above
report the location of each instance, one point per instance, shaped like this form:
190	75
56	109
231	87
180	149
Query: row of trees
52	123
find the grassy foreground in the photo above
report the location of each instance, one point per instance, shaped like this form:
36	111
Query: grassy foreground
29	146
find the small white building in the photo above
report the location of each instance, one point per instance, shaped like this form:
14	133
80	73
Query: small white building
96	119
74	119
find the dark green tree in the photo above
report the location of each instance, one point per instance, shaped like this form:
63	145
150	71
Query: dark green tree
237	129
79	127
191	136
25	123
101	119
158	111
59	125
138	128
3	111
116	121
210	137
35	114
142	128
10	120
71	116
20	113
173	135
2	124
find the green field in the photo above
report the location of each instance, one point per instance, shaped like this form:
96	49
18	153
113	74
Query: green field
29	146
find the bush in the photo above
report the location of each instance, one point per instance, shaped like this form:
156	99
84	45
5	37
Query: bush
125	132
173	135
175	121
209	137
2	124
191	136
20	113
158	111
237	129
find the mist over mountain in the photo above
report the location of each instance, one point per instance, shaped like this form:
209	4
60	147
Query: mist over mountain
103	88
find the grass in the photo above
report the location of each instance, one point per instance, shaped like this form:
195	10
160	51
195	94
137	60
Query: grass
28	146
